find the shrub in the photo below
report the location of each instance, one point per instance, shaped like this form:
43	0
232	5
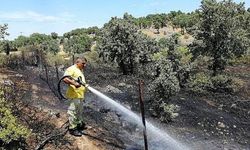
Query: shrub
51	59
200	83
10	129
245	59
222	83
236	85
166	83
92	56
169	112
3	60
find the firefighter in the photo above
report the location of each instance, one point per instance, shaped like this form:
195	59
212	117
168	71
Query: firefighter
75	94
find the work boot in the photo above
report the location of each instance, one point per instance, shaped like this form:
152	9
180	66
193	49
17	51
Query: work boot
75	132
81	126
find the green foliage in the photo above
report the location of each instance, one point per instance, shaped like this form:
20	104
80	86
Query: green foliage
172	67
166	83
82	31
5	46
37	38
182	21
3	60
163	43
186	20
222	32
179	56
200	83
121	43
92	57
38	41
158	55
169	112
50	46
173	14
3	31
78	44
51	59
22	41
222	83
245	59
10	129
54	35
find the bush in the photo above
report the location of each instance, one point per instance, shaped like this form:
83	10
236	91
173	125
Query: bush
242	60
92	57
222	83
169	112
3	60
166	83
236	85
10	129
13	61
200	83
51	59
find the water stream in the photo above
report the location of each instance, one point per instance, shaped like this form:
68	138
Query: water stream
157	138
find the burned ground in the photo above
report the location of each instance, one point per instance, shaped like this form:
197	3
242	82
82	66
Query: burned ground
208	121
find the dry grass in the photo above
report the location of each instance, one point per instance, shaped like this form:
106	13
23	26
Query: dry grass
166	32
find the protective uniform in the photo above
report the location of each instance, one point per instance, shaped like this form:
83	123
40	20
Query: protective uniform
76	97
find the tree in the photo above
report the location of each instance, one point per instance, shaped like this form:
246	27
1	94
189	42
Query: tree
3	31
122	43
182	21
157	26
7	47
179	57
221	33
77	44
54	35
21	41
37	38
50	46
163	86
3	43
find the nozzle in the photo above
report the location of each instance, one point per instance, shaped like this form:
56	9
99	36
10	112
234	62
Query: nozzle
79	80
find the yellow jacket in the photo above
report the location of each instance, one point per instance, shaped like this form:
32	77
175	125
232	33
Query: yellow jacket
73	92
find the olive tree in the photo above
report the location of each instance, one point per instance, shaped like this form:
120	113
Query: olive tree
122	43
221	32
77	44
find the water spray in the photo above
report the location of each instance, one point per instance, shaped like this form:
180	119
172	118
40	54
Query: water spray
165	141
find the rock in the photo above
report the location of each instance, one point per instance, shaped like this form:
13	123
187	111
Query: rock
54	114
221	125
233	106
122	84
19	75
234	126
112	89
220	107
8	82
